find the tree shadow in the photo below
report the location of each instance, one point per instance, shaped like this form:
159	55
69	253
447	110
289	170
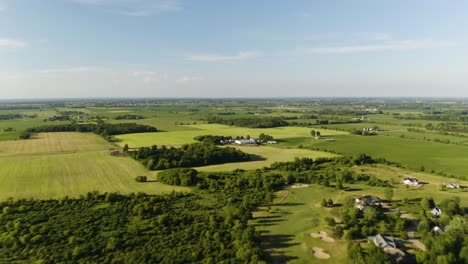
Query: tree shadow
352	189
255	157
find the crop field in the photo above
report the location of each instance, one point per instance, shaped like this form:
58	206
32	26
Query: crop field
449	158
287	225
267	155
69	164
175	138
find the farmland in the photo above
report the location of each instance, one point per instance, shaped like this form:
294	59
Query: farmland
175	138
68	164
59	164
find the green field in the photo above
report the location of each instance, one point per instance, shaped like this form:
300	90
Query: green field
68	164
449	158
268	155
286	227
175	138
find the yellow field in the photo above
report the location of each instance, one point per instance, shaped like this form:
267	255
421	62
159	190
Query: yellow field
59	164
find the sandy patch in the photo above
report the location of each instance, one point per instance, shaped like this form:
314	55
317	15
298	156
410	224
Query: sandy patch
299	185
322	235
319	253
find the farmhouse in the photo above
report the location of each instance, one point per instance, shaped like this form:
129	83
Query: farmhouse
388	245
451	185
367	200
436	211
245	141
411	181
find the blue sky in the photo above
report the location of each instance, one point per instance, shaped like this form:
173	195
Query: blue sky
198	48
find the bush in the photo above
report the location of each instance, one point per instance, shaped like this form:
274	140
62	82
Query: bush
141	179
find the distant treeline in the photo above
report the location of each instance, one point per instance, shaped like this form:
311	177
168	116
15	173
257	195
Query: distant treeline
255	122
16	116
191	155
129	117
103	129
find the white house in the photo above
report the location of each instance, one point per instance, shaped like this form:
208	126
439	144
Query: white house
245	141
411	181
452	185
272	142
436	211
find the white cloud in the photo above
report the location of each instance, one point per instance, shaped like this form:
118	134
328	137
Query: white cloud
149	77
79	69
185	79
12	43
134	7
382	46
242	55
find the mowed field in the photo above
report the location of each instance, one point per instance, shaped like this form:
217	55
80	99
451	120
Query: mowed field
293	215
175	138
267	155
55	165
449	158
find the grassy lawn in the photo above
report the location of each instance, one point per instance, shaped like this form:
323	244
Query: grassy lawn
286	224
175	138
286	227
58	164
268	156
432	188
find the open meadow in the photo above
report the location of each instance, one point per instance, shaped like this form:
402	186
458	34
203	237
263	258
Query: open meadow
264	156
69	164
176	138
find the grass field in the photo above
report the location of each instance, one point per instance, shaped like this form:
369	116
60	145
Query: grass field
175	138
449	158
269	155
69	164
286	227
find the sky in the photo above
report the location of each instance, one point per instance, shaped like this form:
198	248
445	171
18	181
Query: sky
242	48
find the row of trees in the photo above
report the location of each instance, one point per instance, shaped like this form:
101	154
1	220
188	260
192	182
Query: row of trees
255	122
101	128
190	155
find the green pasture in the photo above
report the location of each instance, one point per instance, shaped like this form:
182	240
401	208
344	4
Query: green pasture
69	164
265	156
448	158
175	138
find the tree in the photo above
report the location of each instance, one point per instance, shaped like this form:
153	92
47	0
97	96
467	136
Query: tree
330	221
329	202
324	203
141	179
125	148
339	185
427	203
312	133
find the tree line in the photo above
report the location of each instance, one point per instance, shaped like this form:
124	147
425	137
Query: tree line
254	122
189	155
101	128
